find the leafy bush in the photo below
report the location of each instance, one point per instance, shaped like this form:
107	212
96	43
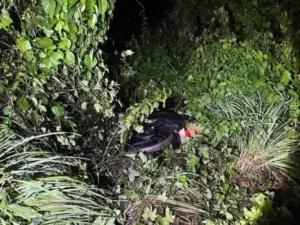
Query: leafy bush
231	66
60	79
213	69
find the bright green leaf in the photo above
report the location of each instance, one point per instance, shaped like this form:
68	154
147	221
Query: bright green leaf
23	104
90	4
102	4
58	111
28	55
49	7
5	19
23	44
45	42
69	58
56	57
65	43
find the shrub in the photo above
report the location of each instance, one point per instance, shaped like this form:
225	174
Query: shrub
59	80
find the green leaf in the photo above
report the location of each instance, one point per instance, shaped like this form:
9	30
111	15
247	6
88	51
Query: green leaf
28	55
8	110
90	5
285	78
92	22
58	111
205	152
23	44
49	7
98	107
252	215
193	161
69	58
89	61
34	100
84	106
65	43
162	220
112	4
72	2
149	214
45	42
23	104
102	8
55	96
5	19
56	57
65	6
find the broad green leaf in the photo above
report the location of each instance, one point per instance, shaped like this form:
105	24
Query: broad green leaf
23	104
90	4
102	4
92	22
49	7
59	26
65	43
5	19
28	55
56	57
69	58
45	42
46	63
58	111
23	44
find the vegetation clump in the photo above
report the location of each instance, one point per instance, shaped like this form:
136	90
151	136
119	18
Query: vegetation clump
65	116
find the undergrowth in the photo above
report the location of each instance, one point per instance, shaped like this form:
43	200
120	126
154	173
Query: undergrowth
232	65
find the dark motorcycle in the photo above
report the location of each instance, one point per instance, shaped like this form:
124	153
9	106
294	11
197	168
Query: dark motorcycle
161	129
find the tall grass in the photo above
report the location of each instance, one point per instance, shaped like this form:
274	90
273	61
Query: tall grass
267	143
37	187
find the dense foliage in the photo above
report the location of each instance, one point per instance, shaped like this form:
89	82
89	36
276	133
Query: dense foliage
232	65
